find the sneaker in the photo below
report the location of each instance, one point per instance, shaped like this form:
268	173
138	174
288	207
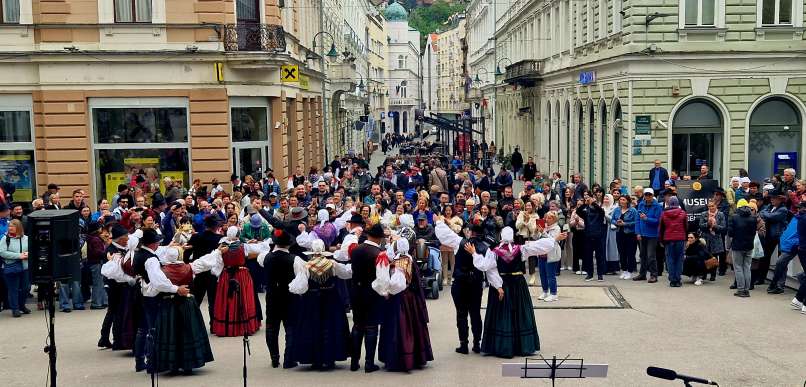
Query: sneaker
627	275
623	273
803	309
562	268
698	282
600	279
775	290
585	272
796	304
578	273
551	298
542	296
652	279
589	279
639	278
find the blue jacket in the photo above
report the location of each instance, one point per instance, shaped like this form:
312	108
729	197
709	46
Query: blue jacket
801	232
789	239
774	220
630	219
648	227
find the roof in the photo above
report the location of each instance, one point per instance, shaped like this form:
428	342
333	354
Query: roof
395	12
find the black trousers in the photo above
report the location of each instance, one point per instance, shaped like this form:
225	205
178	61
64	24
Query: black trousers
594	247
276	315
467	301
113	297
367	315
579	248
626	244
660	257
205	283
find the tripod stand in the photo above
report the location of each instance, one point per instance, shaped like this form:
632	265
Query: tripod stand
50	347
235	289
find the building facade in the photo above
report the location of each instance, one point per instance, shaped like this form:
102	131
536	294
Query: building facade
95	91
377	73
450	69
605	87
430	77
404	81
481	63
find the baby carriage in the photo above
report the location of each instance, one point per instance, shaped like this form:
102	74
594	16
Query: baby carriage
427	257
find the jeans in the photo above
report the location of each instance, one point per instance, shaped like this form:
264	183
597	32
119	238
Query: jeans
434	261
548	275
18	286
595	246
741	264
70	290
647	246
781	267
99	298
626	244
674	259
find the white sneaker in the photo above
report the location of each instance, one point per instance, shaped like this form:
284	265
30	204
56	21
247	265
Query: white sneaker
551	298
803	309
542	296
698	282
562	268
796	304
578	273
584	272
627	275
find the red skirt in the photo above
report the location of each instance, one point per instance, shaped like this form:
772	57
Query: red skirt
234	313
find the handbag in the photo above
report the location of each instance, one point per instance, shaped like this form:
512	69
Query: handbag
711	263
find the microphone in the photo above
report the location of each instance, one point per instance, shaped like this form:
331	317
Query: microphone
663	373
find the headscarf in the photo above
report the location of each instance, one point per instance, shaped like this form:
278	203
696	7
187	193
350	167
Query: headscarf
232	241
610	207
673	202
506	250
406	220
325	231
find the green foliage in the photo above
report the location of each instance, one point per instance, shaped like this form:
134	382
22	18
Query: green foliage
429	19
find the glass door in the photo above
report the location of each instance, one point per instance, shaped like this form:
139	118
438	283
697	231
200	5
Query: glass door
249	161
692	150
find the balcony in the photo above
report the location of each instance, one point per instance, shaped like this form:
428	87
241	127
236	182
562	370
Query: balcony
525	73
254	37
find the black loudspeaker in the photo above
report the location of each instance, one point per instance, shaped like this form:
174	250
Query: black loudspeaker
53	246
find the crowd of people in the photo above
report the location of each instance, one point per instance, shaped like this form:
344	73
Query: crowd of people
341	241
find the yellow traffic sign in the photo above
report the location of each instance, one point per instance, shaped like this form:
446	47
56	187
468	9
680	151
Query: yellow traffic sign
289	73
219	71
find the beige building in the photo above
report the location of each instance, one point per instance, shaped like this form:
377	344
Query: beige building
96	90
450	68
378	70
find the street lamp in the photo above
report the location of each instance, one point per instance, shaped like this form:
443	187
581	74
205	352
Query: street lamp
498	66
478	80
332	54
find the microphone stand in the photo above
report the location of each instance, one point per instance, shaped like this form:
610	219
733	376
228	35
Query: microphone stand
236	288
50	348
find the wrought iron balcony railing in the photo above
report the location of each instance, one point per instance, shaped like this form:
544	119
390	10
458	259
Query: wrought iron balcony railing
254	37
524	73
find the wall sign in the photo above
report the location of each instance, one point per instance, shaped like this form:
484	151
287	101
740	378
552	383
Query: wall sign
643	124
587	77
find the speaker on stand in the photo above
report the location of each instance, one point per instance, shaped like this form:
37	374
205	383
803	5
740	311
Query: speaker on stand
53	255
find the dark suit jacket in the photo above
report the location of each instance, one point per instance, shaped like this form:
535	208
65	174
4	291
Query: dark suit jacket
202	244
279	267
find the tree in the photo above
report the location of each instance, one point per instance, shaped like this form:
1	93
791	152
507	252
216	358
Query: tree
431	18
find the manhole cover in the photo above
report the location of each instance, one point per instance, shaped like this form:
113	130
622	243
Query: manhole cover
578	297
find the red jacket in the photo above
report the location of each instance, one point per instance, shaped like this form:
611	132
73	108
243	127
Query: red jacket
673	225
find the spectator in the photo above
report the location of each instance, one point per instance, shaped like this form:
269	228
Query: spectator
649	213
775	216
516	161
742	230
14	251
529	170
788	182
657	176
789	249
704	173
595	239
96	256
672	231
713	225
624	219
694	261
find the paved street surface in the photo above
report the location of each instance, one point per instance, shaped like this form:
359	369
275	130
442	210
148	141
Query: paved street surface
695	330
702	331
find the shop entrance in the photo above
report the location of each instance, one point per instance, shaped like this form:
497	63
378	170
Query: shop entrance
697	139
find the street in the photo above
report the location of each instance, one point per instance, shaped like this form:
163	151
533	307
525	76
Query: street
695	330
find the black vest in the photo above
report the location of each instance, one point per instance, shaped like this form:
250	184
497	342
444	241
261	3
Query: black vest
139	263
464	270
363	264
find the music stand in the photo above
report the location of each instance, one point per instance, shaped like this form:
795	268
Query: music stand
553	369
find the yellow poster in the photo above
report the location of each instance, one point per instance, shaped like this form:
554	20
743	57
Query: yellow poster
113	179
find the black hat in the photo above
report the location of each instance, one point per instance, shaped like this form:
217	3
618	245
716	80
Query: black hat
149	236
376	231
4	207
53	186
281	238
157	200
775	193
93	227
475	226
356	219
211	221
121	187
118	231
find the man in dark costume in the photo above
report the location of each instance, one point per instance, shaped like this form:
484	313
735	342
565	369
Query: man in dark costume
279	265
467	287
200	245
368	305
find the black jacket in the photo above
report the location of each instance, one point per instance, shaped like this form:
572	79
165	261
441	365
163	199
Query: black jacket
279	267
742	228
202	244
595	223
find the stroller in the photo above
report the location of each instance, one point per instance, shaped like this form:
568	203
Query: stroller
427	258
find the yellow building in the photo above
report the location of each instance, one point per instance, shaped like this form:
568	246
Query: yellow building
95	89
378	72
450	68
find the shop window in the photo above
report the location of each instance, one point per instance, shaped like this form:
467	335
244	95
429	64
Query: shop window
249	124
132	11
17	162
139	142
139	125
10	11
15	126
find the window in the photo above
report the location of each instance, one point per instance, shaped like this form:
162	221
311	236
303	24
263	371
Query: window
618	15
401	61
17	162
139	137
132	11
776	12
249	124
700	12
10	11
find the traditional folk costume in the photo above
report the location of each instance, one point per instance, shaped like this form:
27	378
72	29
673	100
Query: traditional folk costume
236	311
322	334
279	267
367	297
181	336
405	342
509	324
466	289
119	318
509	328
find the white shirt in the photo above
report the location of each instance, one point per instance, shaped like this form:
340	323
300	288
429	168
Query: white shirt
159	283
300	283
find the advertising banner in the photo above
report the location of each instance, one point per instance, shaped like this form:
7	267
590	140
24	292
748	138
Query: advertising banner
695	195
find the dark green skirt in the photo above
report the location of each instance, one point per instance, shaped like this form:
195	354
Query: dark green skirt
509	325
181	336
